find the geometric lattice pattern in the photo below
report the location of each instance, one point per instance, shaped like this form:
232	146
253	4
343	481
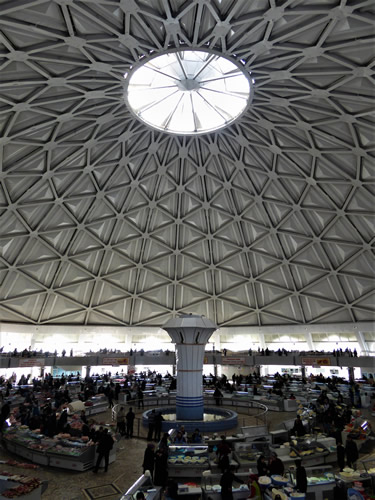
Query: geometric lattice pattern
269	221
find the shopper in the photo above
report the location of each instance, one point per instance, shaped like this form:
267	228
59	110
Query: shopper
179	439
140	398
149	459
161	468
301	478
130	416
218	396
196	437
275	465
158	425
105	445
120	420
223	452
110	395
351	452
226	482
341	452
298	427
151	424
262	466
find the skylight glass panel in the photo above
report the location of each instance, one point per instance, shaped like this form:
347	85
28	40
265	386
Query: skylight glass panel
188	92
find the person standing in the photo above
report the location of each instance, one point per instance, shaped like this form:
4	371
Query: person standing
262	466
140	398
341	452
110	395
275	465
218	396
130	416
351	452
223	452
161	468
105	445
226	482
158	425
151	425
301	478
149	459
120	420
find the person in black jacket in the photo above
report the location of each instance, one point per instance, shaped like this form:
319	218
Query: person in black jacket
262	466
130	416
351	452
298	427
275	465
149	459
340	450
301	478
105	445
226	482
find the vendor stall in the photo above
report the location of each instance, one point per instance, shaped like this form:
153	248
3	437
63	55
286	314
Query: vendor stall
187	460
211	486
320	482
145	485
62	450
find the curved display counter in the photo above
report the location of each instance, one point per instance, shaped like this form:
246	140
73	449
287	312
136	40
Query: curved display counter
64	453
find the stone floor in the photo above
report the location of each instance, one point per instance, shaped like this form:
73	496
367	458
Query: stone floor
70	485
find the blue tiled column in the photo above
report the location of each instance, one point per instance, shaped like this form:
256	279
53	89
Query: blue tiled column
190	334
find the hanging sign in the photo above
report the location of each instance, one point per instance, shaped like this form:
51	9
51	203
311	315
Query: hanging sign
233	361
115	361
316	360
31	362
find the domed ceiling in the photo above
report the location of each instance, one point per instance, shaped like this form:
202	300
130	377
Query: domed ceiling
105	221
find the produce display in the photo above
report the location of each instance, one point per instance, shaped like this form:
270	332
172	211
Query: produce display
277	479
247	455
68	445
306	448
188	455
322	479
349	473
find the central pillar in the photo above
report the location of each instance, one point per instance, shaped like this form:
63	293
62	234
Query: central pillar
190	333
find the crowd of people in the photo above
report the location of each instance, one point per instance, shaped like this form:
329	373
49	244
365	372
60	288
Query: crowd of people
131	352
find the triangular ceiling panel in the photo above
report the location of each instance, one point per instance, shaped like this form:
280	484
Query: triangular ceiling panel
96	204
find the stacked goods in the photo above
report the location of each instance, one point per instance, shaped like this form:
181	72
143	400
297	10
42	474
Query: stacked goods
27	485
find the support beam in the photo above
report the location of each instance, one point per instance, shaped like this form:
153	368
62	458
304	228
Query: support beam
310	341
362	343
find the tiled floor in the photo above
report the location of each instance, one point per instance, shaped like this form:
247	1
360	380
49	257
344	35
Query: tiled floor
68	485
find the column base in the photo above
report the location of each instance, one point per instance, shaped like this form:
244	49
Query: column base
189	408
186	413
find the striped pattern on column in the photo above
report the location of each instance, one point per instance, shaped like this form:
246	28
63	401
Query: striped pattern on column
189	402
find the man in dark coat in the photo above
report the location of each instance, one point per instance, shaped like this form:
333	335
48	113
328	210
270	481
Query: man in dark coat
105	445
158	422
151	425
351	452
130	416
340	450
301	478
226	482
275	465
149	459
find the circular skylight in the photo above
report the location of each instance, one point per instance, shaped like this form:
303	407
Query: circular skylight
188	92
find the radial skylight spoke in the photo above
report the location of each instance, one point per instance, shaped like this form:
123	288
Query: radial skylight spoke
188	92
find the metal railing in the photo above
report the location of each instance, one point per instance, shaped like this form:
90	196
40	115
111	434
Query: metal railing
250	408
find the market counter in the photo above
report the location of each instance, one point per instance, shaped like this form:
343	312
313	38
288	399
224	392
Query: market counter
41	450
211	486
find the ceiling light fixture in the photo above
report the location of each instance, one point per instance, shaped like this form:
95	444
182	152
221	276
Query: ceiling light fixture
188	92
